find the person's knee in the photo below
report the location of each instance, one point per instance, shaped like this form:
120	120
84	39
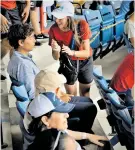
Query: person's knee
85	92
71	89
84	89
92	109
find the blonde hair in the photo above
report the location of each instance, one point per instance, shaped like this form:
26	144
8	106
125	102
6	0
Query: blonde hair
74	26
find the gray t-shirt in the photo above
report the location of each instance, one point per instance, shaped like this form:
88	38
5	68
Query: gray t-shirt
129	29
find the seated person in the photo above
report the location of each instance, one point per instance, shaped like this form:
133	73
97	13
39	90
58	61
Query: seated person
22	68
46	118
123	79
10	15
130	25
47	81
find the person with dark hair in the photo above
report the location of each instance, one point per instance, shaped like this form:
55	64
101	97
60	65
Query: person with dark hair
10	15
21	66
47	115
69	40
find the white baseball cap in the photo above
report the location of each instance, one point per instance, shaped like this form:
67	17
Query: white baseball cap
48	81
65	9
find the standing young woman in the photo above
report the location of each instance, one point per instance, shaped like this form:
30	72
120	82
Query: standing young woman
69	39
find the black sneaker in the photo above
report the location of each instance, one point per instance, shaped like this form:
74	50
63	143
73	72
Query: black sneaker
4	145
3	77
37	43
41	36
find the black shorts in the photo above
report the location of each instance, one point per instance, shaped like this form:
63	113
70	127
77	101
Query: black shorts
12	16
21	5
85	72
35	3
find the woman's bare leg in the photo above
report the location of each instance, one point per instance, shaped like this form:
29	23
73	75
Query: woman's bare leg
84	89
71	89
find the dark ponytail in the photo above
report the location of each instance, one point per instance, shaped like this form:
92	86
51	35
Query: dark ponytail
37	125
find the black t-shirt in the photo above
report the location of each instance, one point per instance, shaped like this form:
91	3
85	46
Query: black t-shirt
44	140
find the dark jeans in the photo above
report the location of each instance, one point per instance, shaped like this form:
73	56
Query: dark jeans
12	16
128	98
86	111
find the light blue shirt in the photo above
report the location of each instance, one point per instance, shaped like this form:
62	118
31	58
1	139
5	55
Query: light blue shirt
23	69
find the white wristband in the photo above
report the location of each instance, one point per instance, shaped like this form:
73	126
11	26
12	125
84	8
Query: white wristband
84	136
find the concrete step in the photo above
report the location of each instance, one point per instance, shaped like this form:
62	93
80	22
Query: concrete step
5	116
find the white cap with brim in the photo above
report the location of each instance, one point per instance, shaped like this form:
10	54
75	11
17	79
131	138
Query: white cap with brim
65	9
42	105
48	81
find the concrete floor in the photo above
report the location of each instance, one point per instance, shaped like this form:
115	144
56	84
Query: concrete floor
43	59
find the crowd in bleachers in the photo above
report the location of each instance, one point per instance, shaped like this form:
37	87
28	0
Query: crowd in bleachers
82	32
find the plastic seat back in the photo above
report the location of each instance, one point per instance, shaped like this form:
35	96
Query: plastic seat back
21	107
93	17
115	100
126	124
119	20
124	114
104	85
79	17
106	13
116	5
19	90
27	138
20	93
119	28
97	74
94	20
107	34
102	82
128	43
123	125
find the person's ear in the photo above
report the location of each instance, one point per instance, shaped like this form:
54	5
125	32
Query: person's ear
58	92
20	42
44	119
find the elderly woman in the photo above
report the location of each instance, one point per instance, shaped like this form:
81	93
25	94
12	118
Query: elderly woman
49	115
